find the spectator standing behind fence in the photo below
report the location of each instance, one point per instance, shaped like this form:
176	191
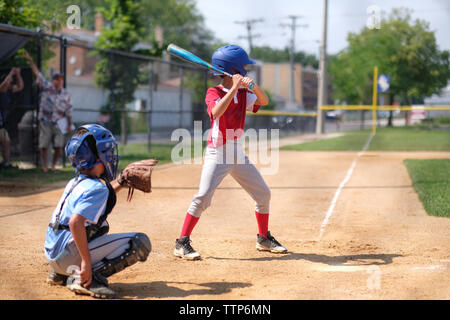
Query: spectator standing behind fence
11	83
55	105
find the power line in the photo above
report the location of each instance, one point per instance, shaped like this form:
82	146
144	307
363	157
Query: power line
293	26
250	36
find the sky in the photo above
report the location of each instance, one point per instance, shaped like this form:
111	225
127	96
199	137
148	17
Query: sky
344	16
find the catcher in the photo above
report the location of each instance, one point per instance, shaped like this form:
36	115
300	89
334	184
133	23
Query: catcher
78	247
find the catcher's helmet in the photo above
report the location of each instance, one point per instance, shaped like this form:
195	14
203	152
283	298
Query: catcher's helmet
96	145
231	57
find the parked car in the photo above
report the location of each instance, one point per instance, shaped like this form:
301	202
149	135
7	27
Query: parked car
334	114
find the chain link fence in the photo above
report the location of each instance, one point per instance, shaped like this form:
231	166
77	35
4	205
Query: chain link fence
141	99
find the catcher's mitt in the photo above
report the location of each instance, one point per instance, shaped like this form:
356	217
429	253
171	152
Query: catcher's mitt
137	175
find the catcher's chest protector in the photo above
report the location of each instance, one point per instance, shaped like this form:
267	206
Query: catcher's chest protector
95	230
112	199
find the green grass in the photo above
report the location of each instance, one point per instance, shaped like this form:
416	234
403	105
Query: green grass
35	177
413	138
436	122
431	180
443	120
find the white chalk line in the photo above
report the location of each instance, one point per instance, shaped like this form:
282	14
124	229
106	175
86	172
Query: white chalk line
338	191
432	267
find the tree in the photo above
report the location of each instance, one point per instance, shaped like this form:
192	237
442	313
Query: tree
89	8
45	14
404	49
181	24
118	74
179	19
30	14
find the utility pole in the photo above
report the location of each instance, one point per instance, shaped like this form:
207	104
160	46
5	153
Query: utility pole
322	83
249	36
293	25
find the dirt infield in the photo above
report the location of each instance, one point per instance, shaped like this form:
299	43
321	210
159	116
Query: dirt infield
378	243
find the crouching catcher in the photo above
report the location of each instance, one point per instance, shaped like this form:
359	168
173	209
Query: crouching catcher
78	247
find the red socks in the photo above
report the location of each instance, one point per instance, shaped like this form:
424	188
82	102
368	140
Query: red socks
189	223
263	223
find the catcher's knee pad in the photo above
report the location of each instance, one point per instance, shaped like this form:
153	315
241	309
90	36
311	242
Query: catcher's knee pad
140	247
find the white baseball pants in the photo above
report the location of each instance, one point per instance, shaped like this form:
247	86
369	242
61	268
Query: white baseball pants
229	159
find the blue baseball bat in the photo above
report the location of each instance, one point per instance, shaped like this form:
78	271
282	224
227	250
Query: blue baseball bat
192	58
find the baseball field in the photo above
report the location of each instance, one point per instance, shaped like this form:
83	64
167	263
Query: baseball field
353	221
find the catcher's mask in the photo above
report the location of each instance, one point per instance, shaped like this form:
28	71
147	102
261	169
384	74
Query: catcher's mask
97	143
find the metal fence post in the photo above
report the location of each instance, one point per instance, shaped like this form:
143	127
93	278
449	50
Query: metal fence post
361	126
181	98
35	125
123	118
62	69
111	97
150	106
205	82
63	58
205	90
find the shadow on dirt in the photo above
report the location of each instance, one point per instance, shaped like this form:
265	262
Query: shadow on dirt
162	289
344	260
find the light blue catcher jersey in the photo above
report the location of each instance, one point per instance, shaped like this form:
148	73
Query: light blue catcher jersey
87	199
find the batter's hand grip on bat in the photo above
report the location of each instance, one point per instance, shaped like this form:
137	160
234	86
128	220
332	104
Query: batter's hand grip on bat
192	58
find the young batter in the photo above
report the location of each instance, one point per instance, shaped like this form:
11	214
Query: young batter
227	106
77	239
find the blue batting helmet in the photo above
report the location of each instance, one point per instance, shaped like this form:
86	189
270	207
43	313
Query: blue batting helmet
94	146
231	57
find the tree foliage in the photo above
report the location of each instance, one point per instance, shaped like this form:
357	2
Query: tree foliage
45	14
179	19
114	72
404	49
182	24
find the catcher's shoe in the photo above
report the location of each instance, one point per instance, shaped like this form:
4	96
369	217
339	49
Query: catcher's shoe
56	279
183	249
269	244
97	289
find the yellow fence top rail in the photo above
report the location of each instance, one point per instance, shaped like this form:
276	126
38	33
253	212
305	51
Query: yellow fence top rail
282	113
400	108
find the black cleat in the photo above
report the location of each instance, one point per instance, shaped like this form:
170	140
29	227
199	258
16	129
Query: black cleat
98	288
183	249
269	244
56	279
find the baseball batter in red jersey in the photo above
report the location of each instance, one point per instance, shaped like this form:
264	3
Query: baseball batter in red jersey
227	106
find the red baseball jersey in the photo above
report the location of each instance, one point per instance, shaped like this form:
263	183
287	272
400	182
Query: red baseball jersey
231	124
